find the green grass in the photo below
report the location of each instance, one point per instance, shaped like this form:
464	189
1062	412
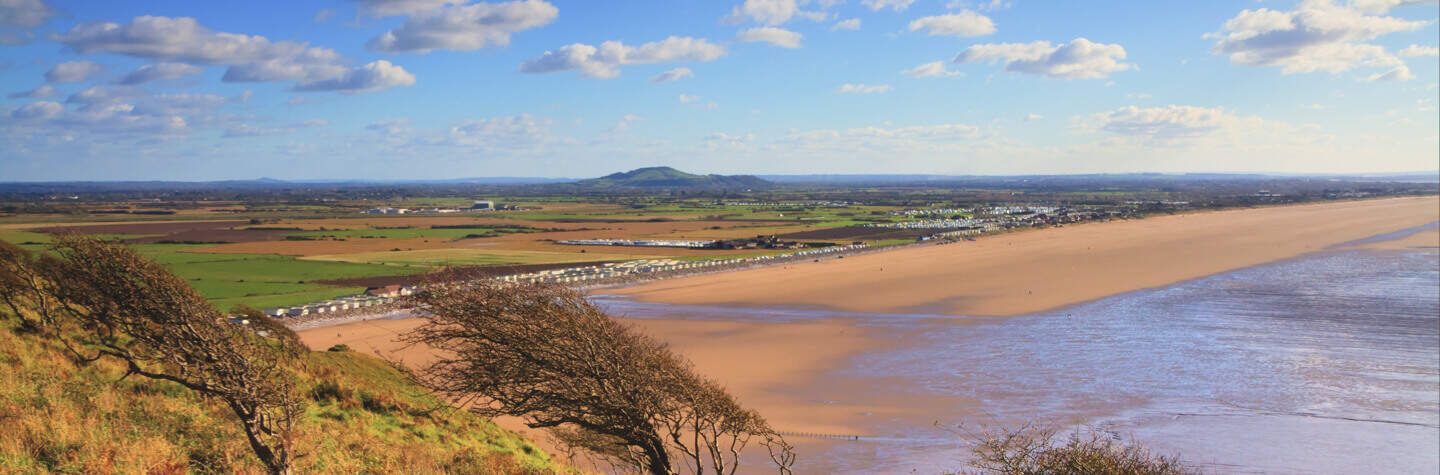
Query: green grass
363	416
426	259
266	280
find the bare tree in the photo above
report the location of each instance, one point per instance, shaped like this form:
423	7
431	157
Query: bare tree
103	301
1031	449
546	354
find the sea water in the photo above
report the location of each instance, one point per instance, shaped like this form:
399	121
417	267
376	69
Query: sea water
1326	363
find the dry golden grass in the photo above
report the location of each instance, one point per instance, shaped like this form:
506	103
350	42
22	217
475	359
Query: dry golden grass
364	417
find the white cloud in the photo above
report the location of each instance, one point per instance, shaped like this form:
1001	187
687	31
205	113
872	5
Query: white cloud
1417	50
72	71
624	125
877	5
383	8
323	15
686	98
249	58
965	23
26	13
862	89
769	12
1398	74
851	24
375	76
103	115
934	69
1316	36
160	71
511	134
45	91
1079	59
1032	117
672	75
981	5
501	133
776	12
603	62
250	130
769	34
1381	6
1176	124
465	27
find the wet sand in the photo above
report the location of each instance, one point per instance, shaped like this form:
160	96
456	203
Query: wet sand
1030	271
755	361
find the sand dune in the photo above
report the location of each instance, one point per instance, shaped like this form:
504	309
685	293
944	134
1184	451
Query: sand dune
1036	270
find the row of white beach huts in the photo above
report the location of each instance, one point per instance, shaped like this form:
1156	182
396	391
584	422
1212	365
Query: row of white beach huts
371	298
569	275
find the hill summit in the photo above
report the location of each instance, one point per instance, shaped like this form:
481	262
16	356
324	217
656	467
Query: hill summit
666	177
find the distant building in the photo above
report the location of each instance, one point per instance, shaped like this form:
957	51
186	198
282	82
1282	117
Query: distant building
483	205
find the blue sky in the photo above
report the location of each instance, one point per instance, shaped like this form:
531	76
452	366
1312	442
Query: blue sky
413	89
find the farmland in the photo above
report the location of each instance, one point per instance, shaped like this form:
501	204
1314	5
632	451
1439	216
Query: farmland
268	248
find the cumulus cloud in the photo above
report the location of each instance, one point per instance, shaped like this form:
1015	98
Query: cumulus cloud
72	71
1316	36
159	71
769	34
495	135
877	5
935	69
776	12
672	75
375	76
103	114
45	91
851	24
1417	50
1398	74
862	89
26	13
384	8
249	58
465	27
501	133
1187	124
686	98
603	62
965	23
1079	59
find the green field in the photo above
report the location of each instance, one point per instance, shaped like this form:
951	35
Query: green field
423	259
263	280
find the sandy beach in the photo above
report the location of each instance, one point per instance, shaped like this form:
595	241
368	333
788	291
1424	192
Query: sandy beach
1036	270
787	369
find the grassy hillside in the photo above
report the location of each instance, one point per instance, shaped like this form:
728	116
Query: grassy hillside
365	417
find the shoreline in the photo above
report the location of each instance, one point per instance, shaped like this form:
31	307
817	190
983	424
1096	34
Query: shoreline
1049	268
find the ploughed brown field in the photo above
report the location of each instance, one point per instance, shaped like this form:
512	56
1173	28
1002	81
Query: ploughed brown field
1036	270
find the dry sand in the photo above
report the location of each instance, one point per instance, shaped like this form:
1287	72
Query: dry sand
1030	271
785	369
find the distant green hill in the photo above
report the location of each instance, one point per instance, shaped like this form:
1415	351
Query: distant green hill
666	177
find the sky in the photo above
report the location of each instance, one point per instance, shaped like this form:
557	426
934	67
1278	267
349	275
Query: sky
436	89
